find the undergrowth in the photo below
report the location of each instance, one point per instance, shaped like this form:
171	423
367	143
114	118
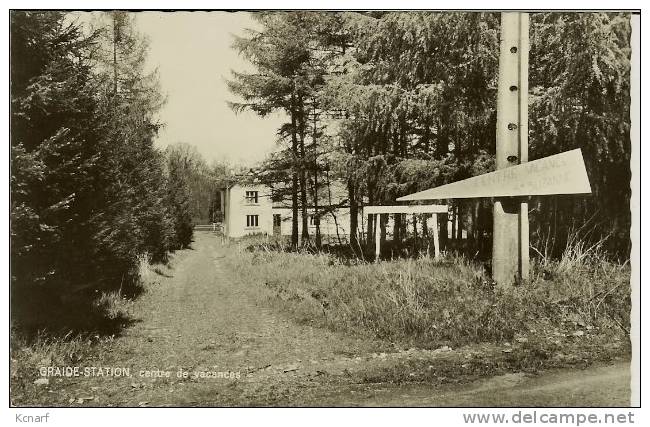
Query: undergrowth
450	301
85	325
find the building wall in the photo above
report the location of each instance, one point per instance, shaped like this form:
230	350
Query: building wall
237	209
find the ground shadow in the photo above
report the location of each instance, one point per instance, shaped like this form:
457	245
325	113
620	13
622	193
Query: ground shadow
36	311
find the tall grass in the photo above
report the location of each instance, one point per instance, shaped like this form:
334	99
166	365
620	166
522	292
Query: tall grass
588	282
43	350
431	303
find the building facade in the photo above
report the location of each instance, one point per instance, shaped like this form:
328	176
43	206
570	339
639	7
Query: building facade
248	209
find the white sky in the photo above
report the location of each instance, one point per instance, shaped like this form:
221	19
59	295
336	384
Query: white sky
193	55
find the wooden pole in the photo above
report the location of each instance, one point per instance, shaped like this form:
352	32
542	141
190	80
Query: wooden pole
510	261
377	237
436	240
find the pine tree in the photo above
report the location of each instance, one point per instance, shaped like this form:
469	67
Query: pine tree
87	185
283	81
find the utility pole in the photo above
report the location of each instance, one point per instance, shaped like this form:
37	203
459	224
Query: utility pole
510	257
515	179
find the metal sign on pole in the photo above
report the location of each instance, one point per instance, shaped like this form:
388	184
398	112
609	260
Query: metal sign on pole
563	173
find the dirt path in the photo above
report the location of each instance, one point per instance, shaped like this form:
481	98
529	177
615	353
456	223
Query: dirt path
596	386
196	320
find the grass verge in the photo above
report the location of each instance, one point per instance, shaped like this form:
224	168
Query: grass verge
68	343
577	311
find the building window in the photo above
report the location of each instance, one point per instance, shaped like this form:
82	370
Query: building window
277	220
252	220
252	197
314	220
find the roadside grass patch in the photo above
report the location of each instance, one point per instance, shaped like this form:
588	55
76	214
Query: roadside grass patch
429	303
28	357
479	361
81	329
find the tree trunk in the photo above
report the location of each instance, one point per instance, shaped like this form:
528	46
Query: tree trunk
442	145
313	182
294	179
454	213
383	219
472	233
294	210
362	239
444	230
461	222
415	234
354	216
314	147
329	198
303	178
397	229
370	233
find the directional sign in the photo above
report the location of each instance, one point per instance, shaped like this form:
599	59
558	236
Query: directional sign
562	173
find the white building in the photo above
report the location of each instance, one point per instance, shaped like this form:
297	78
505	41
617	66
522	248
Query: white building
248	209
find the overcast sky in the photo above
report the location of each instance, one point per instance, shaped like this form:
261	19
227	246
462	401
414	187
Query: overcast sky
193	55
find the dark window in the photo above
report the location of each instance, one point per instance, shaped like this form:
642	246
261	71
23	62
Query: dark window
252	197
252	220
277	220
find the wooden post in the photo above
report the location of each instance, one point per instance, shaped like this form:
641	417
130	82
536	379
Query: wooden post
510	259
377	237
436	241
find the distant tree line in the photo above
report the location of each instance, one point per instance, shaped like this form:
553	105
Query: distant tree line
200	182
90	195
396	102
